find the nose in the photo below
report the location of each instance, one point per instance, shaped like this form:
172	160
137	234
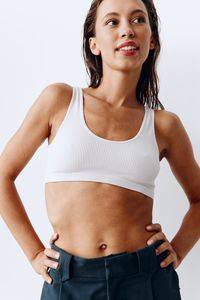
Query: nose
128	31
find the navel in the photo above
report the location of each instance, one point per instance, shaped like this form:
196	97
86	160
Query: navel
103	246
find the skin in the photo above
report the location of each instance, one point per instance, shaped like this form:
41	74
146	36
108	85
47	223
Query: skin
89	214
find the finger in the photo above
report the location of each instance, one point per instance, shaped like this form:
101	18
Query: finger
171	256
50	263
168	260
155	226
53	238
175	264
45	267
46	277
163	247
51	253
157	236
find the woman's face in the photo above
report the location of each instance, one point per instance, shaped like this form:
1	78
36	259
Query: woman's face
128	21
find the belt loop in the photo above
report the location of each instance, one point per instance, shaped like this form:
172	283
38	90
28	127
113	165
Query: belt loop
147	259
64	268
63	263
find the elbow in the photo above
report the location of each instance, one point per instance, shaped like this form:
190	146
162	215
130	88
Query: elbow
6	177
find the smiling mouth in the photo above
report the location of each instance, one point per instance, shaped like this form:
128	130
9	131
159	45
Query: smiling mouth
128	48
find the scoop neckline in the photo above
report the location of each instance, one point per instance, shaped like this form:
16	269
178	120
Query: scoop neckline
107	140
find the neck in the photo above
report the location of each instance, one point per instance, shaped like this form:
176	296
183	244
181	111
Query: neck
119	88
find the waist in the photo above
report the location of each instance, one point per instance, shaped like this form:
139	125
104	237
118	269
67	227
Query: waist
144	260
89	243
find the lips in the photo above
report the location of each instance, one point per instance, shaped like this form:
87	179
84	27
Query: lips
125	44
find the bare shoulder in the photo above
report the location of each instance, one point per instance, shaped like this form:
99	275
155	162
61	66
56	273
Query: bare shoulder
60	95
34	129
167	123
58	89
173	135
54	95
166	120
168	127
49	102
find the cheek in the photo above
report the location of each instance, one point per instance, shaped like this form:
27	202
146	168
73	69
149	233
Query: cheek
145	41
107	43
106	38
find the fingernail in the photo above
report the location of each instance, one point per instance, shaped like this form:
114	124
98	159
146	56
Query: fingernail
150	242
148	227
49	281
55	265
162	264
157	251
57	255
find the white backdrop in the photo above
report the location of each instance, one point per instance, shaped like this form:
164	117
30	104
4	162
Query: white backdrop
41	44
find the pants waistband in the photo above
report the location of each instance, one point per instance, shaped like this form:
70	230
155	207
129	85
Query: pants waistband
143	260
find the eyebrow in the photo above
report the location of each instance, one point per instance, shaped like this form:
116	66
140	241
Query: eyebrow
132	13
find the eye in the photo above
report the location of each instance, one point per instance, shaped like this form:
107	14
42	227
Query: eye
135	20
139	20
111	20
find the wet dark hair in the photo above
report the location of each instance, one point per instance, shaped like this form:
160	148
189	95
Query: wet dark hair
147	88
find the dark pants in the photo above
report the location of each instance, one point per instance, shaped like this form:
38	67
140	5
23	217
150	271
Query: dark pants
122	276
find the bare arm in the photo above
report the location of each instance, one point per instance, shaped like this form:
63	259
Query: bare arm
33	131
179	154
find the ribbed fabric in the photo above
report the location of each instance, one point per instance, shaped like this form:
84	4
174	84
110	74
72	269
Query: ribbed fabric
77	154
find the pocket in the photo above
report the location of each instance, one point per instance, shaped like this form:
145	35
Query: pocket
172	277
51	291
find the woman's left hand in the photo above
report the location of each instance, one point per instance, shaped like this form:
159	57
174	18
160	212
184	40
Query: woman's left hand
159	235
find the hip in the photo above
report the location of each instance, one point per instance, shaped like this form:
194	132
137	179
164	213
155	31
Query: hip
134	275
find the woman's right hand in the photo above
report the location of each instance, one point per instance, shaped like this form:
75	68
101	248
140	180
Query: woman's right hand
42	260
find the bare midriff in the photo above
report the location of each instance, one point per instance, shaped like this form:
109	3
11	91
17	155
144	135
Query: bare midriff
95	219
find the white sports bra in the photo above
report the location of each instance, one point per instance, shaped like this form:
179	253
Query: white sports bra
77	154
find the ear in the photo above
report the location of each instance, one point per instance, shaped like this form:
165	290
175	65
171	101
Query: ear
152	42
93	46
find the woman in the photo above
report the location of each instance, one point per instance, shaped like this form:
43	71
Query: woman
105	145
